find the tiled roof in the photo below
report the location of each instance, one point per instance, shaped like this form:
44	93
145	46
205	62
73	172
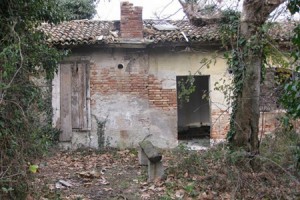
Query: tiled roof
85	32
185	32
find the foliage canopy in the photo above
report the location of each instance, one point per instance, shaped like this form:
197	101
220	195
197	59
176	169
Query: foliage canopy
77	9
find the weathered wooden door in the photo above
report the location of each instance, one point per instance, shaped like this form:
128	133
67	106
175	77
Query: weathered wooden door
74	98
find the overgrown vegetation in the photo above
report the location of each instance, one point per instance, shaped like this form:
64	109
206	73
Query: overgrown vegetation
239	50
101	132
25	107
27	64
220	173
291	97
78	9
217	173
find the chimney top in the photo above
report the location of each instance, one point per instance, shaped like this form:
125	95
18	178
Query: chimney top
131	23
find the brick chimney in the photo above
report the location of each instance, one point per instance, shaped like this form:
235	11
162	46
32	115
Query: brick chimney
131	25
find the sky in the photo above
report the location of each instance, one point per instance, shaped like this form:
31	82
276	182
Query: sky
154	9
110	9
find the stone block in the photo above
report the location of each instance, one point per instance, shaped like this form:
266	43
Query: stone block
151	151
143	160
155	170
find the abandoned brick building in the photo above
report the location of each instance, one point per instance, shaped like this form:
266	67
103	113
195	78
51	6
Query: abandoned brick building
120	83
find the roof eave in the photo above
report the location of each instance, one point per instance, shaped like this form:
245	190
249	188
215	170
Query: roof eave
141	44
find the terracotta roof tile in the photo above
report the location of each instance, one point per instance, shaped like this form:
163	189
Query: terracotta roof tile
185	29
81	32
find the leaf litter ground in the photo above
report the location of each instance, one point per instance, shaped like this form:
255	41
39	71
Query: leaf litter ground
89	174
116	174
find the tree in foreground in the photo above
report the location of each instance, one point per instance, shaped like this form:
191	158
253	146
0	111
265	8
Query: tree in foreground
25	115
246	61
25	97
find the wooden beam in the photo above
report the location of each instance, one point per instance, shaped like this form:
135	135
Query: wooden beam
65	103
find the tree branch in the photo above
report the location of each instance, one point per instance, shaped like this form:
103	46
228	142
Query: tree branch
254	11
199	15
21	63
257	11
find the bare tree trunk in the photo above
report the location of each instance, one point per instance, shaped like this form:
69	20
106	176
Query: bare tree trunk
1	97
246	119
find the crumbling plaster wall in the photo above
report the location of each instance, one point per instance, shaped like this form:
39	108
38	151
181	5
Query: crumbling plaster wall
166	65
133	96
120	99
139	100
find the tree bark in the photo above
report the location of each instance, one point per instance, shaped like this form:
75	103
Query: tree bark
197	16
246	119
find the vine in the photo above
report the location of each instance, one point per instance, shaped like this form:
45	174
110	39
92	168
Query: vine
229	30
237	70
101	131
239	50
185	87
291	97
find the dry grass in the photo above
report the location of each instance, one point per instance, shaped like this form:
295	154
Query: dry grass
220	173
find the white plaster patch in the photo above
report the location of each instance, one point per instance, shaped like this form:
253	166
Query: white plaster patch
56	99
168	84
214	142
168	79
163	129
120	110
131	120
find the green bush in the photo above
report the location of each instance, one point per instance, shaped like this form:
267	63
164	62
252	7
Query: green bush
25	134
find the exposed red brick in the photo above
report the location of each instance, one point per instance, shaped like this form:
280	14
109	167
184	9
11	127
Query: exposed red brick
131	25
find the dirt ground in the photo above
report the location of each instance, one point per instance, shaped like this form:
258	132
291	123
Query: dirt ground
212	174
88	174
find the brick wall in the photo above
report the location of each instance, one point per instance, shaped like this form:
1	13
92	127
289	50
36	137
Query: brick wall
219	123
111	80
131	26
159	97
137	81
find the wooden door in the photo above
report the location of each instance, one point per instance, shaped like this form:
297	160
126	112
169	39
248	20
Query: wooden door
74	100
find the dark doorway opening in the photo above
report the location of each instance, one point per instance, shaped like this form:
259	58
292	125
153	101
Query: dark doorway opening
194	114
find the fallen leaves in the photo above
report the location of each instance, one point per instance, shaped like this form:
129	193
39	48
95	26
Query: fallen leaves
117	175
65	183
89	174
179	193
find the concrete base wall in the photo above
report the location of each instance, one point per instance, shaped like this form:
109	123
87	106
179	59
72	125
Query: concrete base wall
129	119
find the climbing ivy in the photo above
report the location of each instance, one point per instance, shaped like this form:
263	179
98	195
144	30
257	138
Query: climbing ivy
260	43
229	27
101	132
237	69
185	87
238	49
291	97
229	31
